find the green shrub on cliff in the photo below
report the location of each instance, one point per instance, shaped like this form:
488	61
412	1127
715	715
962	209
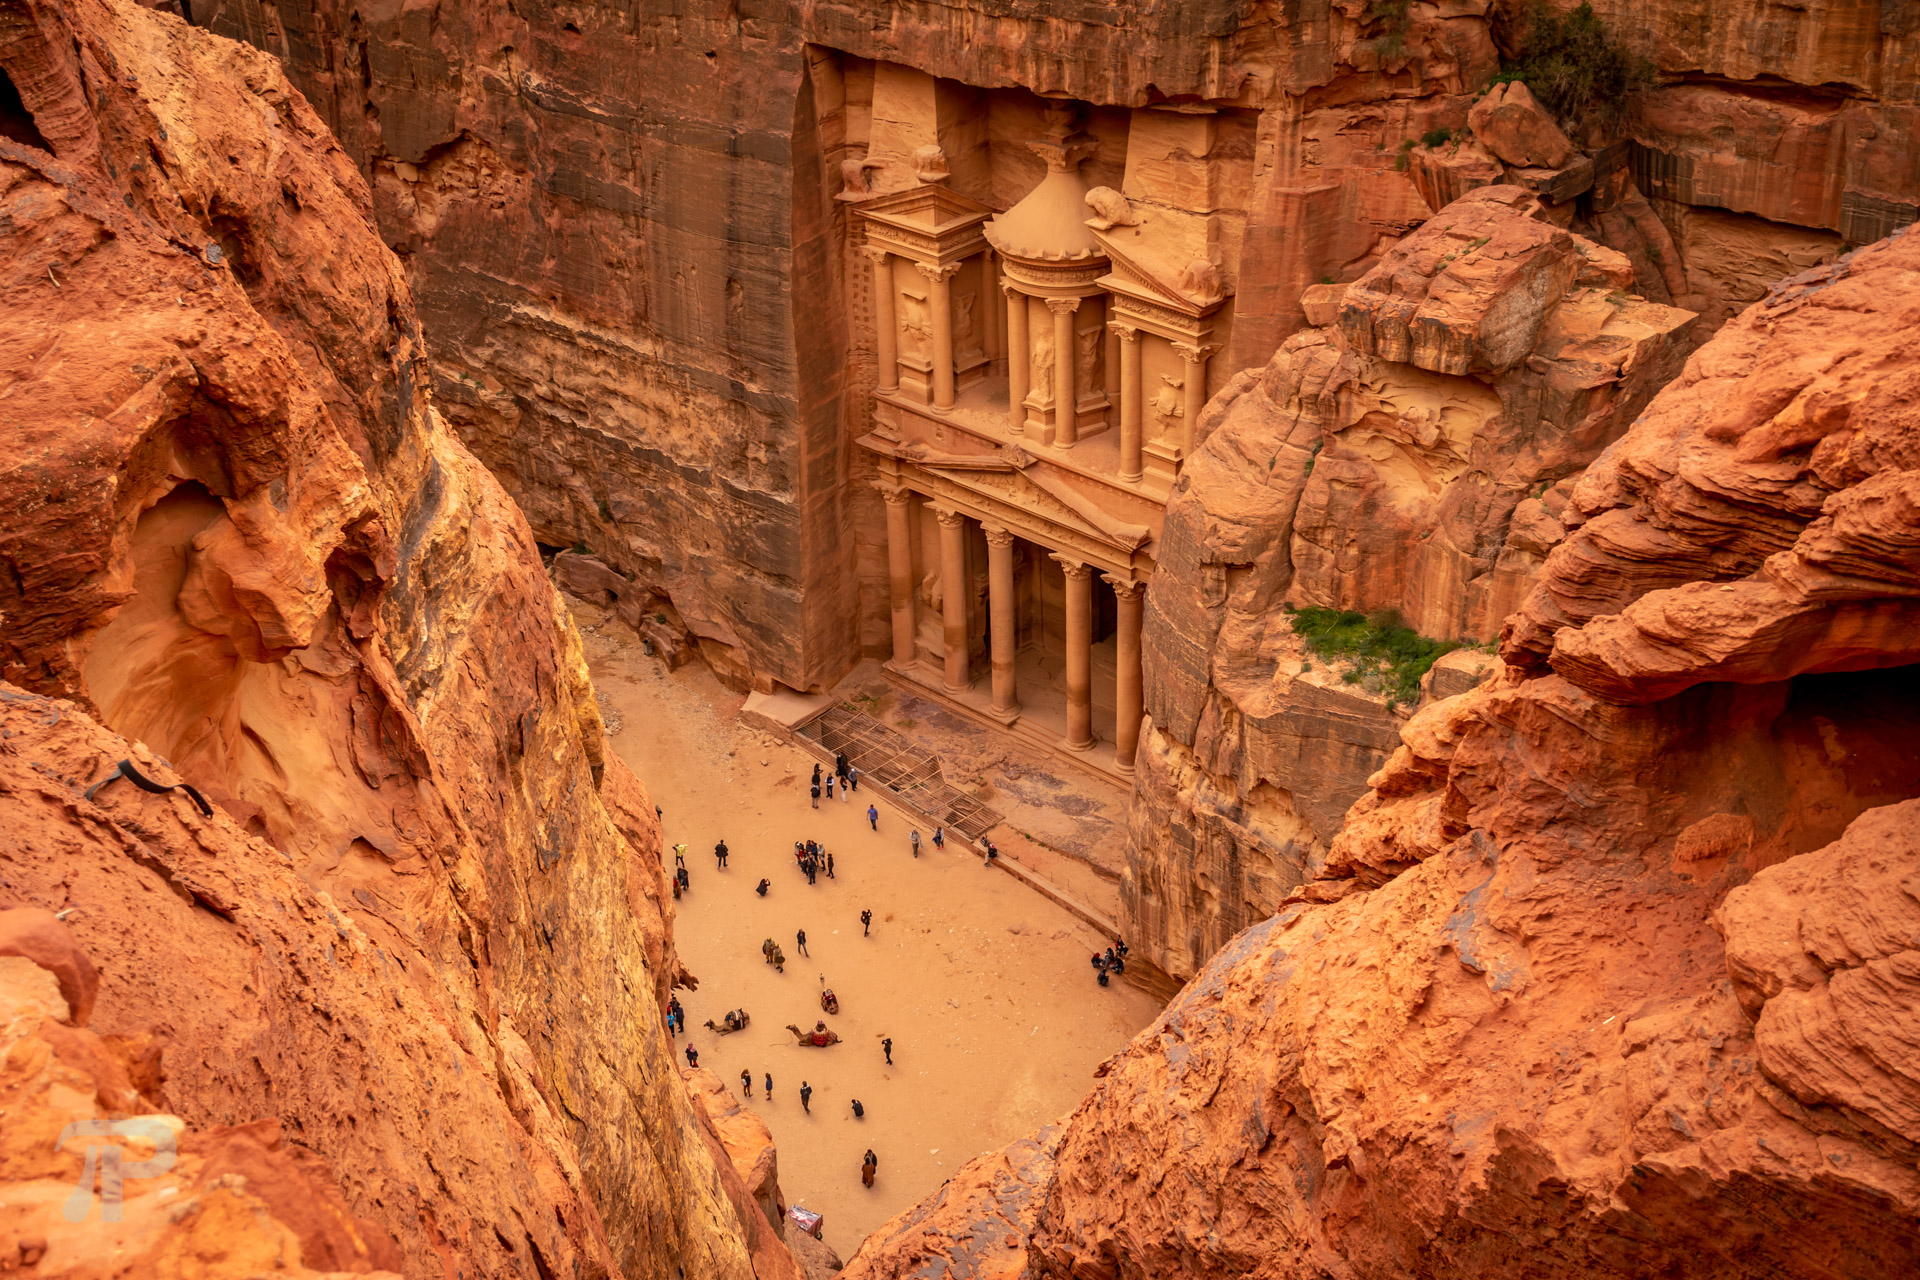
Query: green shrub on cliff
1574	66
1382	652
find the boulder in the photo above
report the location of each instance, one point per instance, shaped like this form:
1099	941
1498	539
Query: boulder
1518	129
37	935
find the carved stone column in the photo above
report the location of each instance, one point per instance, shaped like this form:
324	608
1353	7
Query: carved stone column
1004	621
1129	401
1079	652
1127	706
885	321
900	593
1066	398
940	303
989	314
1019	358
953	594
1195	359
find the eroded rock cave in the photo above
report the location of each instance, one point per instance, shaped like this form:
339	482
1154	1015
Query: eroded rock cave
1449	472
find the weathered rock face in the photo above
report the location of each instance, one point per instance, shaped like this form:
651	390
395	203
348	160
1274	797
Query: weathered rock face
1612	972
623	233
420	923
235	1201
1413	459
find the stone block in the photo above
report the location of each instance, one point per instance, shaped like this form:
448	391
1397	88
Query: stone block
1322	303
1467	291
1445	173
1557	185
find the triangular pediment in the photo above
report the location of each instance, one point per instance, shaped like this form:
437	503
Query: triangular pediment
1140	273
1017	489
928	209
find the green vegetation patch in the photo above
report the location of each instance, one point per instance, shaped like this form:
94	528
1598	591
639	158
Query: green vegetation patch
1382	653
1574	66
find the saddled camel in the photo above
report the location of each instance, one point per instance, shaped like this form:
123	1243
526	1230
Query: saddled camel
735	1020
818	1038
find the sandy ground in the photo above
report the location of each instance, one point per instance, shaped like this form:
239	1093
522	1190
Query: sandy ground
984	987
1068	826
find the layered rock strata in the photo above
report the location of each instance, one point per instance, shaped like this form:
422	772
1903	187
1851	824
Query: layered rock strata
97	1182
412	911
1411	455
1613	970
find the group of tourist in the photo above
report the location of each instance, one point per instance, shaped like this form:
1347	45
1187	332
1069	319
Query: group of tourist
848	778
812	858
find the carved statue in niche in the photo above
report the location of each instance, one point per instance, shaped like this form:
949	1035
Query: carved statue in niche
1089	347
930	164
1110	209
916	321
853	177
930	593
967	339
1168	404
1040	372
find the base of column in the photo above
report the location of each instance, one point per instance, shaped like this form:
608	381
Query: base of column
1009	717
1123	767
1078	746
1135	478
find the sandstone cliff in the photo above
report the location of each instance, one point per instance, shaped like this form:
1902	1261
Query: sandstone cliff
1412	455
1613	971
419	922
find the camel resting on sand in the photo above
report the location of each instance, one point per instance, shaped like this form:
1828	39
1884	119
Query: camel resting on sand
818	1038
735	1020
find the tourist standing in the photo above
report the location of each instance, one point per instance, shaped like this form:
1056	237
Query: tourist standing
873	817
746	1083
840	764
829	866
762	887
829	788
869	1166
769	1083
800	942
720	853
693	1056
853	777
886	1047
680	854
806	1097
859	1112
866	924
939	837
914	841
816	790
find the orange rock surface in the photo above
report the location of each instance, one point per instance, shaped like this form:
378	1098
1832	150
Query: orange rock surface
420	924
1612	972
1410	455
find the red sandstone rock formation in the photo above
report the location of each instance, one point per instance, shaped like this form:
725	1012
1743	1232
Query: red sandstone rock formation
421	924
1612	973
1412	458
97	1184
623	232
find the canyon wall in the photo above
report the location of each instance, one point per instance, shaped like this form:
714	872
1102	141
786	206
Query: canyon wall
633	273
1611	971
1411	454
411	918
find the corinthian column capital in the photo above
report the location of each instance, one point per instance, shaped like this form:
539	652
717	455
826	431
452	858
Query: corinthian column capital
997	536
936	273
1123	587
1063	306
